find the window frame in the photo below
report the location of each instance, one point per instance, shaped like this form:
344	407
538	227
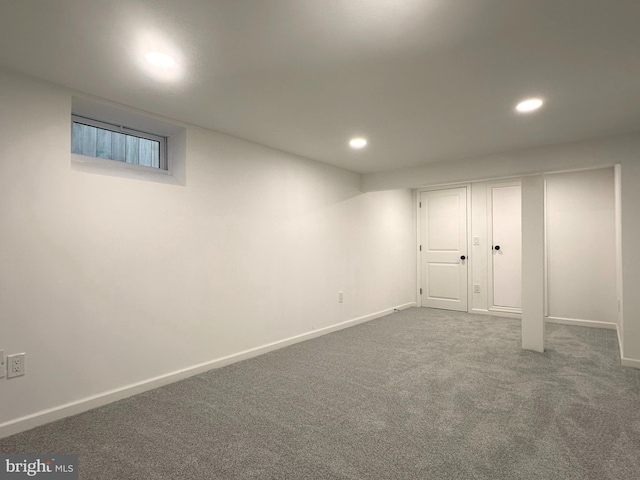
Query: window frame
163	161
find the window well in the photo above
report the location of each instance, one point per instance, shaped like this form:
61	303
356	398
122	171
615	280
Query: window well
94	138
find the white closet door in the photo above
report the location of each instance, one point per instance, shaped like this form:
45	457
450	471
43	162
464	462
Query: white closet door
506	232
444	248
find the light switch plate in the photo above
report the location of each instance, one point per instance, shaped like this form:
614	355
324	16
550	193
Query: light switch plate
3	365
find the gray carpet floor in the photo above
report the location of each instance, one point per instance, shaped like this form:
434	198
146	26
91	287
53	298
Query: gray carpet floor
420	394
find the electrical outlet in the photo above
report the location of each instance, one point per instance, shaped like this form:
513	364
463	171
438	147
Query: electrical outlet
476	288
3	365
340	297
15	365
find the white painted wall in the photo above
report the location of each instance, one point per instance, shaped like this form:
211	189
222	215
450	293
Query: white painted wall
623	150
106	281
479	253
581	262
581	245
570	156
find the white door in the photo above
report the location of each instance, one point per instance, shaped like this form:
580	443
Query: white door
506	251
444	248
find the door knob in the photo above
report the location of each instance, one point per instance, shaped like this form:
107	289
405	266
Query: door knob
497	247
463	257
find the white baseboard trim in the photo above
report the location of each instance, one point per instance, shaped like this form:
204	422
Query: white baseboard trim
624	361
496	313
73	408
629	362
582	323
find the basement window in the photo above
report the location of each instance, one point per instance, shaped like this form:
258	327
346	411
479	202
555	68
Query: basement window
99	139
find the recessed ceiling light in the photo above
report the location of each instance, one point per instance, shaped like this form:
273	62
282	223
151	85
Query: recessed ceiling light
160	59
529	105
358	142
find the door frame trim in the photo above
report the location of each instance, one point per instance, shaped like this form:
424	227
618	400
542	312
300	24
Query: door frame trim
419	191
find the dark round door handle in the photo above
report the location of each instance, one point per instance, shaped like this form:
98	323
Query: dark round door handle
463	257
497	247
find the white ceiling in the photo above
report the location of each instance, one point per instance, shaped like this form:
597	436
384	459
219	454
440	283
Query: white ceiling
423	80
